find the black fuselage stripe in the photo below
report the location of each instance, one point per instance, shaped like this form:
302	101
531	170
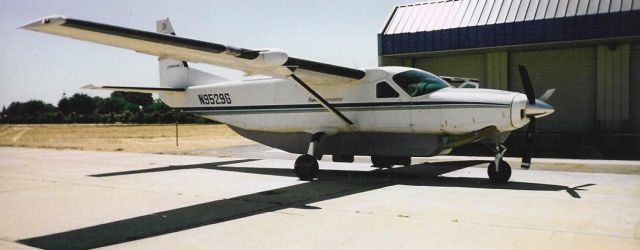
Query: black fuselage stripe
145	88
341	105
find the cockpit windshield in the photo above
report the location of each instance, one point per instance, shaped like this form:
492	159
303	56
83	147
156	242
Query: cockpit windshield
417	83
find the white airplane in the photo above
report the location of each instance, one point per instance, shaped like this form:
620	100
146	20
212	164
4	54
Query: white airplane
315	109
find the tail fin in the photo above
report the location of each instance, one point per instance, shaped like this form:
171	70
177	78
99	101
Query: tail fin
177	74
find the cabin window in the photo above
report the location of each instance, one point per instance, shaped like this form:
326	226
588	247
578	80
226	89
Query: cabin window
384	90
417	83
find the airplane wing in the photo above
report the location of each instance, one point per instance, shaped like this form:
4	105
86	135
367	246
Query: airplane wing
266	62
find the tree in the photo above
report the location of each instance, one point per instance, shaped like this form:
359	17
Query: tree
140	99
130	107
78	103
29	112
111	105
63	105
157	106
29	108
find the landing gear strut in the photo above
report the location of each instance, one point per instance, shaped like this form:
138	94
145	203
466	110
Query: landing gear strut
306	166
499	170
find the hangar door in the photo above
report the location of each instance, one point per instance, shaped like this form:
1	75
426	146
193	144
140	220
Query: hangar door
634	86
572	72
472	66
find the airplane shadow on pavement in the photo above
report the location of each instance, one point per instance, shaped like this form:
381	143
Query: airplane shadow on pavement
332	184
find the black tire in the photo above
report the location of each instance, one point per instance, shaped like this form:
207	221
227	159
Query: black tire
306	167
390	161
406	161
381	162
503	175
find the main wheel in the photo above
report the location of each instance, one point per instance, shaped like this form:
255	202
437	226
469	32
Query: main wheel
381	162
405	161
306	167
501	176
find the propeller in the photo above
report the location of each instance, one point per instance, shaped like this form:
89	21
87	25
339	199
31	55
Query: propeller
529	144
526	84
535	109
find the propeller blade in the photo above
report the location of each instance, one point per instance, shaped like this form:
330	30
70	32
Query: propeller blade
547	94
529	141
526	84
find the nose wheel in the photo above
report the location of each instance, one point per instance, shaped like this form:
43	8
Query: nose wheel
501	173
499	170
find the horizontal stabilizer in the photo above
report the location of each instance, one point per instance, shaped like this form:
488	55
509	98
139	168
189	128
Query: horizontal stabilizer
136	89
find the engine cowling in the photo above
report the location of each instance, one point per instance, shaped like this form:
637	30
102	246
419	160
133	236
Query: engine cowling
518	116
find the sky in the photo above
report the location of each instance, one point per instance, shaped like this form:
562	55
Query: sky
40	66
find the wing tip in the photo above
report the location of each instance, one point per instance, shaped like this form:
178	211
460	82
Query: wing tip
90	86
48	20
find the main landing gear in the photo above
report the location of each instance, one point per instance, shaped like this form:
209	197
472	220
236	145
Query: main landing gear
499	170
306	166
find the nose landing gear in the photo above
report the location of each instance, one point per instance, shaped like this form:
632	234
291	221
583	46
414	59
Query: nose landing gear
499	170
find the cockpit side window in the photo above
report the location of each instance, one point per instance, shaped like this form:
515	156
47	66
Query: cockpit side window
384	90
417	83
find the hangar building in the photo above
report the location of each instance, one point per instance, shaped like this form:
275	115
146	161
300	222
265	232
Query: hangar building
589	50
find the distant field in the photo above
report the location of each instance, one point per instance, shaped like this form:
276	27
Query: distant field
130	138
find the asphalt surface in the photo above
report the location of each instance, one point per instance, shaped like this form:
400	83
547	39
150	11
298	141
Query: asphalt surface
82	199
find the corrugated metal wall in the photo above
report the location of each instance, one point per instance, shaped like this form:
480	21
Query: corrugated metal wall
464	24
634	86
613	87
572	72
472	66
448	14
497	71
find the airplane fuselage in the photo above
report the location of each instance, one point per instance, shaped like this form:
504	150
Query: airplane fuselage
280	105
279	113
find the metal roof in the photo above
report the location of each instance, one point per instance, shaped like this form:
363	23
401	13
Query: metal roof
448	14
467	15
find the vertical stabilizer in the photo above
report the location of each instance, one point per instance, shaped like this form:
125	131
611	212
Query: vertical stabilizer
173	73
164	26
177	74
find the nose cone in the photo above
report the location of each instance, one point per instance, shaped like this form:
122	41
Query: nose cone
539	109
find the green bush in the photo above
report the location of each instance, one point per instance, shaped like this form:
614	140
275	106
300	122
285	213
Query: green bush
80	108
